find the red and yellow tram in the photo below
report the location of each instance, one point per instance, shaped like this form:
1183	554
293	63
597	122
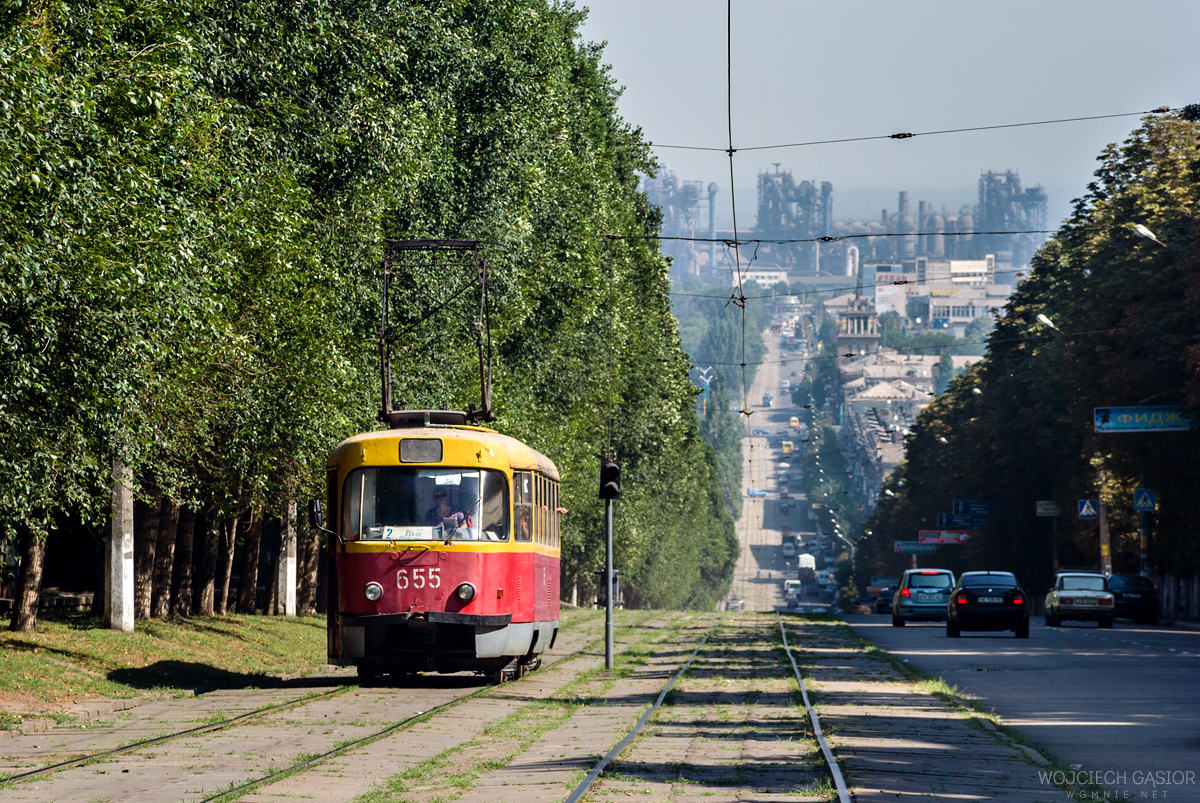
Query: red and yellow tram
443	549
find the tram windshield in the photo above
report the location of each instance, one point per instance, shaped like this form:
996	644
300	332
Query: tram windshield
424	504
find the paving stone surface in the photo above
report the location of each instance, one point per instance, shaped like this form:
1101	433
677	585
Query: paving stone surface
731	730
896	740
348	776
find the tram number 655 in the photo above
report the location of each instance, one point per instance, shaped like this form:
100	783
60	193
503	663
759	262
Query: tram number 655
420	578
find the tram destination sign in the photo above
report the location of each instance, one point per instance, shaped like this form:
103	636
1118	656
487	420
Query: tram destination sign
1141	419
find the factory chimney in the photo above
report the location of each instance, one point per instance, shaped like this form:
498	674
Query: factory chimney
712	225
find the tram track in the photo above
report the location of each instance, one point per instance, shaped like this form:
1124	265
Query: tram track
590	646
196	731
637	766
250	786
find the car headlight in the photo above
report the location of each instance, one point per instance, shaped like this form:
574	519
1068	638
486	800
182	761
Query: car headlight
373	591
465	592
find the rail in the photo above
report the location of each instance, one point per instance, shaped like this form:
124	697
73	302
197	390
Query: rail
834	770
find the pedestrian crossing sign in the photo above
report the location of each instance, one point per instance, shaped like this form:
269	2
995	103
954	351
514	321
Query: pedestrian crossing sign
1087	509
1143	500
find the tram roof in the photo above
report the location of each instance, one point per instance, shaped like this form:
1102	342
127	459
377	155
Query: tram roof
519	455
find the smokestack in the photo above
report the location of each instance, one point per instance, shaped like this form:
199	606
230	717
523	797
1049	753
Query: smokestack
712	225
903	203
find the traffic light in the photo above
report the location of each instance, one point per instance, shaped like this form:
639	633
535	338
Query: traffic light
610	479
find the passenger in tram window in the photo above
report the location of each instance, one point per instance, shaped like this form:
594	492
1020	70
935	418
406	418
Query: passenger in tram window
524	530
442	510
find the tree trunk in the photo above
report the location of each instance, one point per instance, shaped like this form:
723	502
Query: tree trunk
164	559
181	579
206	561
145	542
308	570
29	581
248	579
228	535
272	571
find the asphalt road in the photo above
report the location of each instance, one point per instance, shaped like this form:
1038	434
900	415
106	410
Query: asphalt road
761	568
1122	703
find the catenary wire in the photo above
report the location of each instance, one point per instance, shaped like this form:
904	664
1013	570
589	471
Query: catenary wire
912	135
1028	339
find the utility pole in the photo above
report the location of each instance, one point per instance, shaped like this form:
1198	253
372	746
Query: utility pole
608	586
610	489
1105	551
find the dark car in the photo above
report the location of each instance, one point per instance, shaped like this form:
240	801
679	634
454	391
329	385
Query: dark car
1134	597
922	596
883	602
987	601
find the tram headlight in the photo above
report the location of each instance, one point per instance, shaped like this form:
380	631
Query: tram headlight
373	591
465	592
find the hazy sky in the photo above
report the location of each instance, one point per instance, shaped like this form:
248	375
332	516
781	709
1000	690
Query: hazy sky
846	68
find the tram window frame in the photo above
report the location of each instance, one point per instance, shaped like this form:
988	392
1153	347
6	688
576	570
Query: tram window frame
539	517
554	520
522	501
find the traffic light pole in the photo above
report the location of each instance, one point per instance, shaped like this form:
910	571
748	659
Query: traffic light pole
608	585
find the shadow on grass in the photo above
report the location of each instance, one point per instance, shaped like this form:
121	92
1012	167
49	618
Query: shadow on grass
200	676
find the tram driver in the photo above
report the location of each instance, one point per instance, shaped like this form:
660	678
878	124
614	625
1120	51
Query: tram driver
443	511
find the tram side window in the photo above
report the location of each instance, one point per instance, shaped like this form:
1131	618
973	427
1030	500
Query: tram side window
554	517
523	504
539	519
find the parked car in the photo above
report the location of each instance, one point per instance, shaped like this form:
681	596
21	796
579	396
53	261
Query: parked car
883	600
922	596
1134	597
761	432
755	492
1082	596
987	601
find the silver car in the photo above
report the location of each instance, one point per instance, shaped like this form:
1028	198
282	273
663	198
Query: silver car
922	596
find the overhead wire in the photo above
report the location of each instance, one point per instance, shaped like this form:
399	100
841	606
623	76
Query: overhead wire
846	288
940	346
913	135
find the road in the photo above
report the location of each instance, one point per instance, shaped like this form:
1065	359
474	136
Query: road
1119	702
761	569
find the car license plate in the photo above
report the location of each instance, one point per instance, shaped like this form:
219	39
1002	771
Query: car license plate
929	598
1133	596
992	600
1085	601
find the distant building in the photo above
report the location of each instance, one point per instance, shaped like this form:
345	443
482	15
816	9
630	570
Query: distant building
858	327
764	277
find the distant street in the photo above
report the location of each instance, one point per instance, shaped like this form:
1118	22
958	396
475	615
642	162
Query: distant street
1121	701
761	568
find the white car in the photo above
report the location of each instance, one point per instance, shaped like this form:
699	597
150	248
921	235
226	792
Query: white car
1082	596
755	492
